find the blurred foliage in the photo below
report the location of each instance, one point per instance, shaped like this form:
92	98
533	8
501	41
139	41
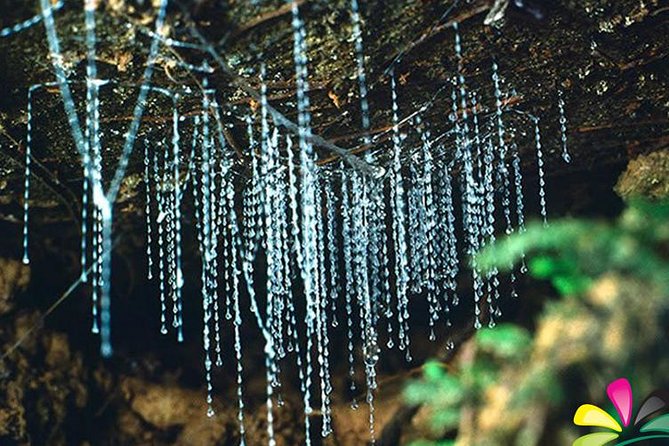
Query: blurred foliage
512	386
571	253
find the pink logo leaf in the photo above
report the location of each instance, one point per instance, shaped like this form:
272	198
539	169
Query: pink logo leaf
620	394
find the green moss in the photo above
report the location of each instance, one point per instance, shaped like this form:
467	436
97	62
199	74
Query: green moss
646	176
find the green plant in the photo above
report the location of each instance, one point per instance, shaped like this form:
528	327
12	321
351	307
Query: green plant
509	385
571	253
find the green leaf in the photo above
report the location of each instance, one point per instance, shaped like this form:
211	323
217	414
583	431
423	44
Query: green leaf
659	424
481	374
445	391
543	267
571	284
444	418
433	370
419	392
423	443
506	340
596	439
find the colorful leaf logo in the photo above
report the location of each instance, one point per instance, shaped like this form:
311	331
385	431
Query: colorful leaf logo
620	394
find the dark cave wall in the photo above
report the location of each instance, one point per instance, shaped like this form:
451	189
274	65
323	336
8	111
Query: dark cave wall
609	57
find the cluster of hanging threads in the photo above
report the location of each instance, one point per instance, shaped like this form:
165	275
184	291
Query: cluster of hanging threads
86	142
317	226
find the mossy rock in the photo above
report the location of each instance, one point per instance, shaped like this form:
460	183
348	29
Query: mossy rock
646	176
